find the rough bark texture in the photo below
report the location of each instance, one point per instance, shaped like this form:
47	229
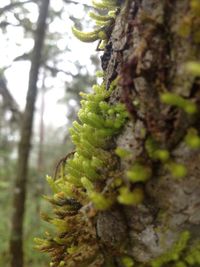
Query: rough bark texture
16	240
142	207
148	54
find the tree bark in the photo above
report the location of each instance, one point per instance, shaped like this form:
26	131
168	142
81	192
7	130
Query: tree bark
150	44
16	240
148	51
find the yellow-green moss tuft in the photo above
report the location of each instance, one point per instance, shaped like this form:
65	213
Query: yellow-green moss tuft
174	254
175	100
104	22
78	183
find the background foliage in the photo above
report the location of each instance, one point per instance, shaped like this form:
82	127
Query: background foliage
59	67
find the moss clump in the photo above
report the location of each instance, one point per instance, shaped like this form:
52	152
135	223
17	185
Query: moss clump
174	254
178	170
192	257
82	181
128	197
193	67
104	22
190	24
154	152
182	254
178	101
122	153
192	138
139	173
127	261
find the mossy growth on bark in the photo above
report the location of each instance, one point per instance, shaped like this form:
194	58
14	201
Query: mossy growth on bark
181	254
123	197
79	190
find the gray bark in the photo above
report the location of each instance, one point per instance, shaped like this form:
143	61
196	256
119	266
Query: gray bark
148	54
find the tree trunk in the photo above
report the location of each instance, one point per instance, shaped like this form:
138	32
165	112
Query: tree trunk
16	240
158	148
151	42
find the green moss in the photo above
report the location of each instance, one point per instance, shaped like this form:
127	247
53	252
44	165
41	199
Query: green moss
178	170
195	6
128	197
192	257
122	153
99	122
100	201
139	173
78	182
105	4
155	152
98	17
99	74
79	189
180	264
182	254
127	261
193	67
103	22
177	101
190	24
192	138
62	263
174	253
88	36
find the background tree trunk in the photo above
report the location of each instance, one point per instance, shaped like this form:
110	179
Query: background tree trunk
16	240
148	49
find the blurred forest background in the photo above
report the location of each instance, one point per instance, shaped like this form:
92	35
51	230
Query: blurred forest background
67	67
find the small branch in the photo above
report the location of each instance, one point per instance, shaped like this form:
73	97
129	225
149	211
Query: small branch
8	100
13	5
4	24
25	56
21	22
55	70
76	3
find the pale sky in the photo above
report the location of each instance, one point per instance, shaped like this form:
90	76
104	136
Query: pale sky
17	74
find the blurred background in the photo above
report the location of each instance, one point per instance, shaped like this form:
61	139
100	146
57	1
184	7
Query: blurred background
68	67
